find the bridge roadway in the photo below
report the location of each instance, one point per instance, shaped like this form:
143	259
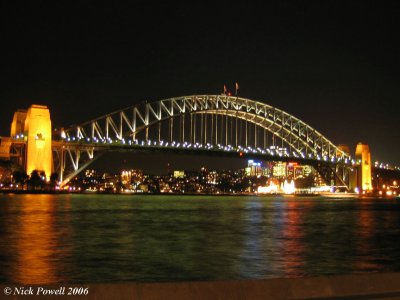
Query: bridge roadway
197	149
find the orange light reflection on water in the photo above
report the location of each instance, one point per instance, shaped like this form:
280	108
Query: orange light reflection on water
36	241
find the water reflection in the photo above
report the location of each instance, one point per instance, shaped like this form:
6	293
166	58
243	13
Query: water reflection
253	257
293	246
377	232
35	244
113	238
365	231
33	248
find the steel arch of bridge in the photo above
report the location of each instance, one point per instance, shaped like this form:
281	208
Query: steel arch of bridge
301	139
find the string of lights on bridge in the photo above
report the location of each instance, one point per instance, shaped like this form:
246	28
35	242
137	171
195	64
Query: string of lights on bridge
208	146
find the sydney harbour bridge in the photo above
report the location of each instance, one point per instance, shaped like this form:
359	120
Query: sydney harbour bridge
199	124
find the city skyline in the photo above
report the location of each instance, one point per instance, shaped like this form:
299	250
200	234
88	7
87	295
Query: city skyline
332	65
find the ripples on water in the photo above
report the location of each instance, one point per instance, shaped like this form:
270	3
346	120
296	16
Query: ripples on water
117	238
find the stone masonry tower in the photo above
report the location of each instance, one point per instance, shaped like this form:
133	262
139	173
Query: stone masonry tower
364	180
37	131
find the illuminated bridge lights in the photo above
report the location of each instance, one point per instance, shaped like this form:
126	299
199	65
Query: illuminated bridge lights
208	146
188	145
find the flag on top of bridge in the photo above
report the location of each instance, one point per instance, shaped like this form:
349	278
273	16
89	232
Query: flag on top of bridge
236	88
225	90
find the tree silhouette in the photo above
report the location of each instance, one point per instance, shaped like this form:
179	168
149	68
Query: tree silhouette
20	178
36	179
53	180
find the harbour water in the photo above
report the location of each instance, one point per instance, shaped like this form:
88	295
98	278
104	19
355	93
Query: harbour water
79	238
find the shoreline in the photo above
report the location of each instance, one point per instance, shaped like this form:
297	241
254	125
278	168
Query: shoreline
324	195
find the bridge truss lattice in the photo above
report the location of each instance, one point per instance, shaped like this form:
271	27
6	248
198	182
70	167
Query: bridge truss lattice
196	123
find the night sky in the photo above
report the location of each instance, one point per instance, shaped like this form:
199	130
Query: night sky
333	64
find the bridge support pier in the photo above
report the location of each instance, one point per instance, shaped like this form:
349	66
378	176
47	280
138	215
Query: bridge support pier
35	125
362	179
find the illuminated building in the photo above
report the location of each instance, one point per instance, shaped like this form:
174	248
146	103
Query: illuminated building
90	173
212	177
90	177
279	169
290	169
363	156
299	171
179	174
131	179
247	171
110	183
253	168
90	180
126	177
307	170
267	171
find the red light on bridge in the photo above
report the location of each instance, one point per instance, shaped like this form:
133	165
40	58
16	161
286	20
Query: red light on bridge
240	154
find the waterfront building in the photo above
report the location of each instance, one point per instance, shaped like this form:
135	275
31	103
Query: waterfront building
179	174
279	169
253	168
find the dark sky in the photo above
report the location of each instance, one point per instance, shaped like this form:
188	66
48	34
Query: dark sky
333	64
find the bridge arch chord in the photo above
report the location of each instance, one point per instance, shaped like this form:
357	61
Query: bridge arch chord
128	122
